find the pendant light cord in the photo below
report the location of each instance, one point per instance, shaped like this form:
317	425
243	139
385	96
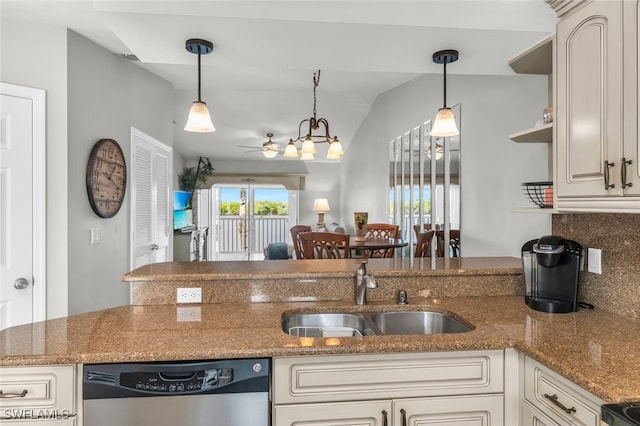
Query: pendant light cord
199	75
444	105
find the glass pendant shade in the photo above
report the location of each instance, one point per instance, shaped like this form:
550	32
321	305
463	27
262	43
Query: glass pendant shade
308	147
199	119
291	151
445	124
335	151
269	153
306	156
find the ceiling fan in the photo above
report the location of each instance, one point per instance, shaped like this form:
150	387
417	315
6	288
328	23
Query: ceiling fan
269	148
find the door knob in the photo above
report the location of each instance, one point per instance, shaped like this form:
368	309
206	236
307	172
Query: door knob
21	283
154	247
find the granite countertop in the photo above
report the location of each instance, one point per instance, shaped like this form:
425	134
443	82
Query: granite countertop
596	349
194	271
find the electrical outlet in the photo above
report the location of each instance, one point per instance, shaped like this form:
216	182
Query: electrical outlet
188	313
595	261
189	295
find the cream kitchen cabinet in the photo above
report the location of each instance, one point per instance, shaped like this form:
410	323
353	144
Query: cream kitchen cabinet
401	389
550	399
39	395
596	108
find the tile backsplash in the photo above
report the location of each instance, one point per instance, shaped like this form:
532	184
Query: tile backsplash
618	236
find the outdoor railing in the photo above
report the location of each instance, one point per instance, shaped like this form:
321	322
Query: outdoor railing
259	231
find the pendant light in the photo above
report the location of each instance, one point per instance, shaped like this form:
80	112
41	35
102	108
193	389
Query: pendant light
444	124
199	119
309	140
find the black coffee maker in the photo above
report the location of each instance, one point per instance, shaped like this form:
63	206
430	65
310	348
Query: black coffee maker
551	265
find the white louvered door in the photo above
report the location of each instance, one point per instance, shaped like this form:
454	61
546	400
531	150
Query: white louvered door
151	213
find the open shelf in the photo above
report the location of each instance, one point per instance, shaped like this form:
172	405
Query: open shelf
534	135
538	59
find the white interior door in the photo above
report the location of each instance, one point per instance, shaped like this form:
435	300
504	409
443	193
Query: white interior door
152	222
22	217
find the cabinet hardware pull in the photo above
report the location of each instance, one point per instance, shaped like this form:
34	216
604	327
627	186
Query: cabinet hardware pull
623	173
606	175
384	417
404	417
554	400
13	394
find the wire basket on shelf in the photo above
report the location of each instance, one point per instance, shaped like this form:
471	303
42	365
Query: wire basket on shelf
539	193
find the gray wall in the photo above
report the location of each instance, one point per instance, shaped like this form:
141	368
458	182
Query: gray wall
492	166
107	95
41	47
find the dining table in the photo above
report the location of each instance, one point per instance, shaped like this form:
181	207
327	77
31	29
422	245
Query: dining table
372	245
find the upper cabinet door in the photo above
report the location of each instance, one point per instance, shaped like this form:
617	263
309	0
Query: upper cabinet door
631	174
589	101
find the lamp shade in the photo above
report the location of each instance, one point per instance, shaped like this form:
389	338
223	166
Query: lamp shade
321	205
269	153
306	156
199	119
291	150
335	150
445	124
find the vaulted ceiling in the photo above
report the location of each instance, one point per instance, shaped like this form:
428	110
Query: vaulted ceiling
259	78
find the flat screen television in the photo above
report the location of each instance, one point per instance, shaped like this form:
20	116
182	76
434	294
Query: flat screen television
182	213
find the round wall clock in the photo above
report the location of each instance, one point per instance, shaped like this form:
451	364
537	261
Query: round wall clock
106	178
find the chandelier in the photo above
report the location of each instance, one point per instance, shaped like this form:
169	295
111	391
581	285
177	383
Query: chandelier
308	149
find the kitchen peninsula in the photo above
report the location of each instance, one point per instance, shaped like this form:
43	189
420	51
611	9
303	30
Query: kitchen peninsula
241	314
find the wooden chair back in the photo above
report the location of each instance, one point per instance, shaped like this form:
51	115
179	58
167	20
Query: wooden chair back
423	244
297	245
454	243
381	230
324	245
416	229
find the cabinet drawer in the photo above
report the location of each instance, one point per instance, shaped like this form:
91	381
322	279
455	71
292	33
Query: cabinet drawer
531	416
47	388
543	386
365	377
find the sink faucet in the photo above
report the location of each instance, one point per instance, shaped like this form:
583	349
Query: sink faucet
363	281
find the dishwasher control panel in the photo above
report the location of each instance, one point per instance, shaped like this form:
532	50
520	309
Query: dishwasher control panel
188	381
170	378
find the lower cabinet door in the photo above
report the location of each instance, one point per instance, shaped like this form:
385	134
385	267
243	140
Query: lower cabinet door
531	416
474	410
365	413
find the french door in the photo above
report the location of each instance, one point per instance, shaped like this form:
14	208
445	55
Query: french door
248	217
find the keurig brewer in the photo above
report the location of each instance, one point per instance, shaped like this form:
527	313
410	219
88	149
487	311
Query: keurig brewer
551	265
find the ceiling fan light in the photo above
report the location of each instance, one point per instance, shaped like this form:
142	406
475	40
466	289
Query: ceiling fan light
269	153
308	147
291	151
306	156
445	124
199	119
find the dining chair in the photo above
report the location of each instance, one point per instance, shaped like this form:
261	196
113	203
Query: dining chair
454	243
296	230
381	230
324	245
423	244
416	229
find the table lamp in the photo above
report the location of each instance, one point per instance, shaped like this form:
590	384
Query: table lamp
321	206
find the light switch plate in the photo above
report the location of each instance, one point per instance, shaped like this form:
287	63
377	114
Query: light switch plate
594	263
95	236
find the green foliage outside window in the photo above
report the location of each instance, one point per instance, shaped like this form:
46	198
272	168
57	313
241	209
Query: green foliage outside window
426	207
260	208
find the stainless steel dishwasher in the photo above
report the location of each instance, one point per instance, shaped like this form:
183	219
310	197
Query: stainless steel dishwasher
213	393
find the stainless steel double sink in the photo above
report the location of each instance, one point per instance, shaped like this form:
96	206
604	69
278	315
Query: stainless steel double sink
343	324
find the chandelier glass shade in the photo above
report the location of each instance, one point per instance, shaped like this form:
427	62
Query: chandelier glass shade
199	119
444	124
316	132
